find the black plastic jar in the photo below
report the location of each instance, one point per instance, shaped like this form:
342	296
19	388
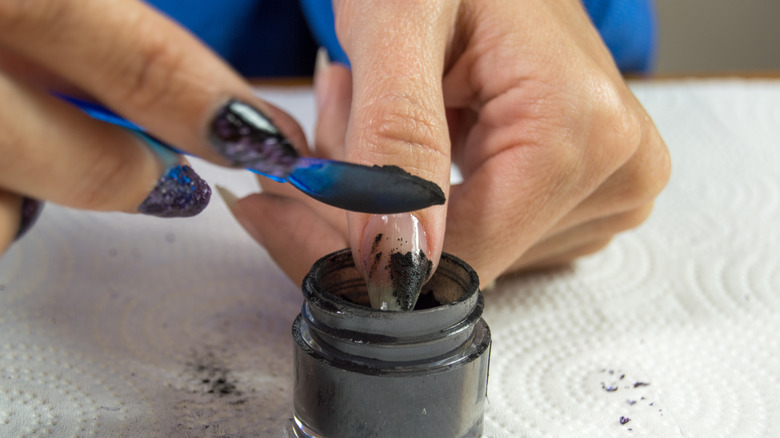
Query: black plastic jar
361	372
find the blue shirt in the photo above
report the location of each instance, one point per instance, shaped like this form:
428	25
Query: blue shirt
271	38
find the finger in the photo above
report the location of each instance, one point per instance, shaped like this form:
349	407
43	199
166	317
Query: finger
337	218
631	187
563	258
52	151
333	91
531	158
571	241
397	115
288	229
31	73
512	199
141	64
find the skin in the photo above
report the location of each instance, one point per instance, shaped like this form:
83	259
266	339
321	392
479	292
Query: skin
125	55
557	154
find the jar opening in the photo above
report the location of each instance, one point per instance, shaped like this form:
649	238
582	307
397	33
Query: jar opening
427	299
337	276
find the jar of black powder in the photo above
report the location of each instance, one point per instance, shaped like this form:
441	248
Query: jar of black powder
362	372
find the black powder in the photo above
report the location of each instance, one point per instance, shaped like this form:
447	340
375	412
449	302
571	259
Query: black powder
609	388
408	273
427	300
213	375
434	191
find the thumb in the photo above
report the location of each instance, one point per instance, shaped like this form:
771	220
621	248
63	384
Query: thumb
397	118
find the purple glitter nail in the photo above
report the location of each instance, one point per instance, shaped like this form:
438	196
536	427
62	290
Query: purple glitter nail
31	209
179	193
247	138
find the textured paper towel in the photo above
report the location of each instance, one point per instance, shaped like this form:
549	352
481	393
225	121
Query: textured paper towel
116	325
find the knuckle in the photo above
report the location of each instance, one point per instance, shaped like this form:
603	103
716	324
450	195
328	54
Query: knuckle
631	141
566	172
151	79
625	125
633	218
662	165
402	122
652	170
616	121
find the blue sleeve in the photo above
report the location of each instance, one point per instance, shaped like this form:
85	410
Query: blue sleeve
319	14
271	38
628	28
259	38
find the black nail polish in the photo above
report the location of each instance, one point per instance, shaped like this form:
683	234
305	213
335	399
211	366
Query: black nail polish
247	138
31	209
179	193
408	272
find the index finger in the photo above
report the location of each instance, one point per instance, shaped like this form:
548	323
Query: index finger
397	52
144	66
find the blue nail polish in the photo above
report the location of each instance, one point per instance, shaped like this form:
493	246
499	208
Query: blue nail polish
179	193
31	209
247	138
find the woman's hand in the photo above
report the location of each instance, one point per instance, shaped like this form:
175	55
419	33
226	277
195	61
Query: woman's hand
557	154
142	65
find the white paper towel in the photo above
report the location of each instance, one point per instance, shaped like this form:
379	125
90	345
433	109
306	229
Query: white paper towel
115	325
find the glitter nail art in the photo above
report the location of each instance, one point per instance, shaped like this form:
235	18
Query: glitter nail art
247	138
179	193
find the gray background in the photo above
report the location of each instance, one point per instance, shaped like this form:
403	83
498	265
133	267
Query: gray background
716	36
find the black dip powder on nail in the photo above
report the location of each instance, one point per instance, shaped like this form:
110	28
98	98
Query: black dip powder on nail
362	372
407	272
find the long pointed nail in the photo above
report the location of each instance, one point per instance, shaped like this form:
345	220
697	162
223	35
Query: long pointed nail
321	86
248	138
179	193
395	261
231	200
322	61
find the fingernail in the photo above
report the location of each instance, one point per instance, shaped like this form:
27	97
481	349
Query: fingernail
322	61
31	209
248	138
395	261
321	65
179	193
231	200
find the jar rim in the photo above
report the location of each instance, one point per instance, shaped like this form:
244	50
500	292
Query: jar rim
337	312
